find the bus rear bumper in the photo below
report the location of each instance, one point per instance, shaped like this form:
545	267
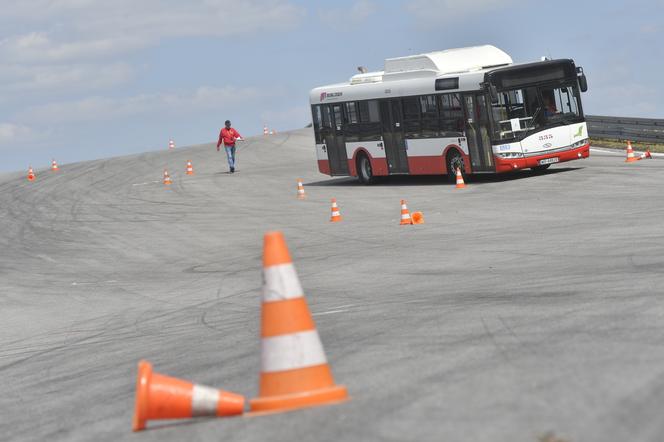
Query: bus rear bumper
506	165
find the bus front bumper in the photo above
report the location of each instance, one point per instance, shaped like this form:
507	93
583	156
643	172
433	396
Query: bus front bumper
508	164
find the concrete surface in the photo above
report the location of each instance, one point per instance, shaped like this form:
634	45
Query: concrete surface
526	304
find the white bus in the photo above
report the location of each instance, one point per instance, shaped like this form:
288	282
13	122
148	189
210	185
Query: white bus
469	108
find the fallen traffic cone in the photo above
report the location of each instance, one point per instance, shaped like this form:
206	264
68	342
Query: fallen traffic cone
646	154
300	190
167	178
630	154
336	215
190	168
418	218
294	372
31	174
405	214
54	166
171	144
163	397
460	184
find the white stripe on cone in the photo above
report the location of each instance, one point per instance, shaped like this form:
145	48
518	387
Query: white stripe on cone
281	282
292	351
204	401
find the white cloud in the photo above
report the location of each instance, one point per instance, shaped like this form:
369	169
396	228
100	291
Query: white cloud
357	13
445	11
62	79
11	133
86	29
110	108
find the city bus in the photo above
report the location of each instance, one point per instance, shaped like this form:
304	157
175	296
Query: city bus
471	109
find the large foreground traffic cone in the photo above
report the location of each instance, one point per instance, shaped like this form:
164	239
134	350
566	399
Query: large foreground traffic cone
460	184
54	166
300	190
167	178
646	154
190	168
405	214
31	174
336	214
418	218
294	371
163	397
630	154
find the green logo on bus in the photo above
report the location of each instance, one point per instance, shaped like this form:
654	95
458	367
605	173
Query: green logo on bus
579	133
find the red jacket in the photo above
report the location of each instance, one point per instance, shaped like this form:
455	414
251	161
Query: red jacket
228	137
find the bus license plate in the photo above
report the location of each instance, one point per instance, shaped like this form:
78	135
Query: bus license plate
548	161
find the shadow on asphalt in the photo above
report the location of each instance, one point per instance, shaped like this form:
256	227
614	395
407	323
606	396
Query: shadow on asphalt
432	180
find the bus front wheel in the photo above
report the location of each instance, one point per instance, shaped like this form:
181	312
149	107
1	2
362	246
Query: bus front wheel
454	162
364	171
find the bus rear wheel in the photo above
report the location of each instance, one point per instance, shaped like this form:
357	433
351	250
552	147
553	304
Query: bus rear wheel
364	171
454	162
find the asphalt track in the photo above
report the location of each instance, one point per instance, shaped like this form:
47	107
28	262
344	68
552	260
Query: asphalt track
526	304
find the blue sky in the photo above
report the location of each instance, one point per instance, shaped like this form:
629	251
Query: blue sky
85	79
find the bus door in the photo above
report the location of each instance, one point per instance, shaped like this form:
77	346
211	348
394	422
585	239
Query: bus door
332	137
391	119
477	133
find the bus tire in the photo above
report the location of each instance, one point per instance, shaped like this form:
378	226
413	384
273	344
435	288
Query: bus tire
454	160
540	168
364	170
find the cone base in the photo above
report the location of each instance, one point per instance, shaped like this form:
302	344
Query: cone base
335	220
460	186
286	402
631	160
405	223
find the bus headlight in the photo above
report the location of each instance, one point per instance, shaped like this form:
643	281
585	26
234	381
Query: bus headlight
510	155
580	143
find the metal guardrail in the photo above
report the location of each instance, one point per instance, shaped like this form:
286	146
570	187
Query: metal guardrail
648	130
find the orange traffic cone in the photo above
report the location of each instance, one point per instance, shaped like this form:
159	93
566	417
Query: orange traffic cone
418	218
31	174
630	154
460	184
167	178
294	372
171	144
190	168
163	397
265	131
336	215
300	190
646	154
405	214
54	166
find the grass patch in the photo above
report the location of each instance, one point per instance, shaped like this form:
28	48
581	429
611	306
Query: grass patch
620	144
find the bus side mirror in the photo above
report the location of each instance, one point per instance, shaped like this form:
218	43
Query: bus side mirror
583	83
493	93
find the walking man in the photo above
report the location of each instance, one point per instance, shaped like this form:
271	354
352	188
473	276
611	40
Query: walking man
228	136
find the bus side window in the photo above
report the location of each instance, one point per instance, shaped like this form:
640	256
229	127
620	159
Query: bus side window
430	117
317	122
369	116
451	116
411	117
351	126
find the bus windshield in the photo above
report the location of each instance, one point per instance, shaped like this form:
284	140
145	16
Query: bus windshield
521	111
